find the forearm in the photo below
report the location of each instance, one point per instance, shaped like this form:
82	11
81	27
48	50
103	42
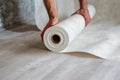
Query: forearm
51	8
83	4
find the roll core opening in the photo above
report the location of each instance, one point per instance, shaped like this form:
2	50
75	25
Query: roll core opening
56	39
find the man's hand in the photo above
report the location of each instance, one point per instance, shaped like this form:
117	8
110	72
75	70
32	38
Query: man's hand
51	22
85	14
52	13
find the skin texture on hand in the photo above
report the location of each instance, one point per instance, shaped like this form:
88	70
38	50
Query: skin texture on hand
84	11
51	23
53	15
85	14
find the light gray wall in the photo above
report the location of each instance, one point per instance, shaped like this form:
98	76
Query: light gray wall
16	11
26	10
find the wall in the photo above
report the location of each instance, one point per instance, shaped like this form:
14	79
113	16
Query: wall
16	12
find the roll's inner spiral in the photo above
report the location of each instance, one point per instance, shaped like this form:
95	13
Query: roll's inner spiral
56	39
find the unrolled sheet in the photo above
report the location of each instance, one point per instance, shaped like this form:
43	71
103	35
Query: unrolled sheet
100	37
58	38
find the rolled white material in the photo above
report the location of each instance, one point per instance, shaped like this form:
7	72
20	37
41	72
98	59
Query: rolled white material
59	37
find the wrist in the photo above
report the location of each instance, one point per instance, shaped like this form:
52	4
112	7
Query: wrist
83	4
54	20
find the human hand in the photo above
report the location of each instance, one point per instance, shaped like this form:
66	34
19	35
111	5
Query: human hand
51	22
85	14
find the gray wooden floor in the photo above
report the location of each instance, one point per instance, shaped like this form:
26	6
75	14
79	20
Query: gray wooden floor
24	57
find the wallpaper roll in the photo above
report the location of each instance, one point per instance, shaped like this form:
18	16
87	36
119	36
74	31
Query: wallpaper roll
60	36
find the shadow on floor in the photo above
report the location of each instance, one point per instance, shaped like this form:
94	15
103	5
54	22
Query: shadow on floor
24	28
82	54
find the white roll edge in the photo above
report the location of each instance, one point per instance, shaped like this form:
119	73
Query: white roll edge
60	44
91	10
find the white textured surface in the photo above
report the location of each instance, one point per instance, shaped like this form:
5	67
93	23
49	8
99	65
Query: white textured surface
101	37
24	57
67	30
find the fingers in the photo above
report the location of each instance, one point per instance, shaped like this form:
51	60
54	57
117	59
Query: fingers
46	27
49	24
87	21
85	14
77	12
